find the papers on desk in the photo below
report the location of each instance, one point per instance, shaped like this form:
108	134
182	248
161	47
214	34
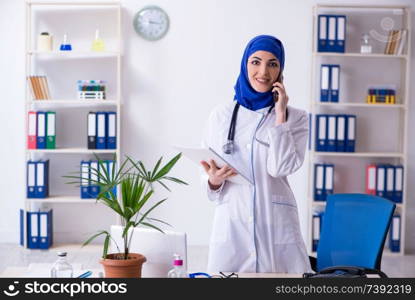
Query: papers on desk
206	154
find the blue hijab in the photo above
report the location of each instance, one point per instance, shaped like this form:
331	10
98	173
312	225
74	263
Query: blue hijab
244	93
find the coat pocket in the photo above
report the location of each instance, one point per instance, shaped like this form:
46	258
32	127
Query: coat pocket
285	220
221	224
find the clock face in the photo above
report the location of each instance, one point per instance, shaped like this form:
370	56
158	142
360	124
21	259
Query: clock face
151	23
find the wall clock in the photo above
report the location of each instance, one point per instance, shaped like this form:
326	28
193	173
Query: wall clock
151	23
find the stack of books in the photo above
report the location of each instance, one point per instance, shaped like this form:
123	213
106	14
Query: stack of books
39	87
396	42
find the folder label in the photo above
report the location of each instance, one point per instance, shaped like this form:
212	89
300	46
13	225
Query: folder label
32	124
395	229
329	177
91	124
371	178
332	30
381	179
51	124
316	227
398	179
40	175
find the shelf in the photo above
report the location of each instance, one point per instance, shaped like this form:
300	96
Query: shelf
371	7
64	3
74	54
377	55
73	102
360	154
72	151
351	104
62	199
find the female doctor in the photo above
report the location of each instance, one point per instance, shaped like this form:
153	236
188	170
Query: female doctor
256	227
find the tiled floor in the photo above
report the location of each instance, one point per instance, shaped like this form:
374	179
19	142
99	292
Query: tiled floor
16	256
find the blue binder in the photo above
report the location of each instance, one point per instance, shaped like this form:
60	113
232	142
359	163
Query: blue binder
322	33
310	123
350	133
340	33
317	225
101	130
21	219
45	229
331	133
341	133
321	132
397	193
334	83
331	31
110	167
328	180
395	234
42	179
31	179
324	83
41	130
390	182
85	180
319	194
112	130
32	230
381	181
94	188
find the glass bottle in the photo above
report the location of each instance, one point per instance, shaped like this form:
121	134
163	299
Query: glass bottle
178	270
365	46
98	43
61	268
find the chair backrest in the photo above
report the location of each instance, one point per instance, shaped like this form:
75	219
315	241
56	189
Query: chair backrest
354	230
157	247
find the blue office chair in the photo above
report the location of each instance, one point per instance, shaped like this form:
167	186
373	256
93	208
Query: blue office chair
353	233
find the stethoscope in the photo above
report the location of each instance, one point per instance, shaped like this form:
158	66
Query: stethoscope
229	147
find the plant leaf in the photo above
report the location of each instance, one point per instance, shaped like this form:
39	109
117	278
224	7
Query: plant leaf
148	211
166	169
152	226
106	245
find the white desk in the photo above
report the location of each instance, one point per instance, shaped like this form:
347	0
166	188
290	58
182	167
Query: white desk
42	271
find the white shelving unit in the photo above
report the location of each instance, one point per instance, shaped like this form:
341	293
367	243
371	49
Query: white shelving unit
350	168
66	105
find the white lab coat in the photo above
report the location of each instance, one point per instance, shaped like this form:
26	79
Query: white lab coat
256	229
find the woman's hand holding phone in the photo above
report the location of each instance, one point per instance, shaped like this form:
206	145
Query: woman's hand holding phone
281	101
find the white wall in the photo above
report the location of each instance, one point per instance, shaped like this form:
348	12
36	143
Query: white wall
169	88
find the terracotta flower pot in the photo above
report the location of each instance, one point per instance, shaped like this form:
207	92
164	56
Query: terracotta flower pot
123	268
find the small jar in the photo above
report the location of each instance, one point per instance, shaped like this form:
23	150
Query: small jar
365	46
44	42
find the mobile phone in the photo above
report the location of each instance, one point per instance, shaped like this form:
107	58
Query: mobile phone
279	79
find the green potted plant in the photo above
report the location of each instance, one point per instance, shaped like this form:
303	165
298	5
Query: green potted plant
136	185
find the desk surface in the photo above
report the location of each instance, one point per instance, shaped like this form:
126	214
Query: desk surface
31	272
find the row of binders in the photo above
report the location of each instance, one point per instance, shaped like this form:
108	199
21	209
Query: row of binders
38	179
331	33
41	131
323	181
89	187
385	181
394	240
39	228
396	41
387	96
335	133
329	83
39	87
102	130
